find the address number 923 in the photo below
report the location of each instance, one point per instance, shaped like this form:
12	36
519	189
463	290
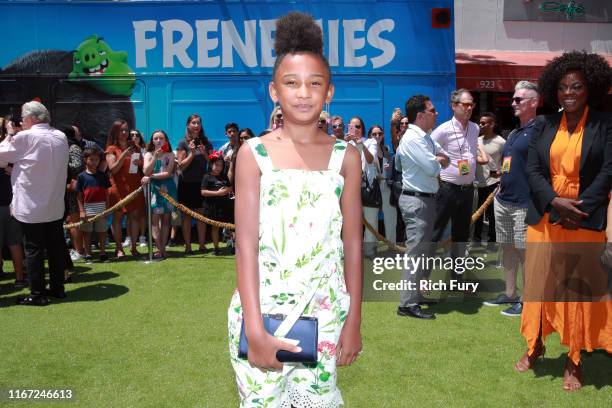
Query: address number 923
487	85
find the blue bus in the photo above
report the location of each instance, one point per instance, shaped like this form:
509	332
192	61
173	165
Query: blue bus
154	63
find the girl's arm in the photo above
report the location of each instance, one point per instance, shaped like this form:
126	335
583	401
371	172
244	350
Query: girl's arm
167	172
184	157
114	164
149	164
262	345
349	344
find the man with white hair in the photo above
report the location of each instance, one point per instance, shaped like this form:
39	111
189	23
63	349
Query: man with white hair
39	154
512	200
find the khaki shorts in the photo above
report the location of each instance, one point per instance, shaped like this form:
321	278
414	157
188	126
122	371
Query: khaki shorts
510	225
97	226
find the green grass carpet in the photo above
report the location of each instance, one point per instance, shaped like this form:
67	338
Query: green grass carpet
137	335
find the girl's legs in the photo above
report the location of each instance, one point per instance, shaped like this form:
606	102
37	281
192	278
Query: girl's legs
141	225
201	233
187	232
87	242
215	238
164	228
133	230
155	229
76	236
17	255
116	227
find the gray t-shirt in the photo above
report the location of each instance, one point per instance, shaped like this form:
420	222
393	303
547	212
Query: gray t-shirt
493	147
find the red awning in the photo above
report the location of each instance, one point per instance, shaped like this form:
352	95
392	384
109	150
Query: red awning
499	71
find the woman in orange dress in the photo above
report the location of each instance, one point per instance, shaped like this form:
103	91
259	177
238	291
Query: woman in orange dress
125	175
569	167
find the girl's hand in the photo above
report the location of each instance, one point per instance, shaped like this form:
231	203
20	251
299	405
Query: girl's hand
263	348
192	146
145	180
82	216
349	344
158	153
223	191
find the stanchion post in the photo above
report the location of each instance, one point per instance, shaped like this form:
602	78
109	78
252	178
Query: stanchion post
147	192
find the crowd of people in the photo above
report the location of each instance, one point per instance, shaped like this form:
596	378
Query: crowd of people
550	177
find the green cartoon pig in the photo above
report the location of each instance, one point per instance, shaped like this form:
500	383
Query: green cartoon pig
107	69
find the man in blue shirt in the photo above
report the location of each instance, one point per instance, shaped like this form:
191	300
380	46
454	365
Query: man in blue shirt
512	200
420	160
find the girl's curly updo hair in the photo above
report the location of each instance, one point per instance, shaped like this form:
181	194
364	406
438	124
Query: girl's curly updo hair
596	71
298	33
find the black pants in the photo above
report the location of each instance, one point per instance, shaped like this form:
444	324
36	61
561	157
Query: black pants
454	204
37	238
483	194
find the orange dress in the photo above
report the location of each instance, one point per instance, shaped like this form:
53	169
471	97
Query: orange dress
582	325
123	183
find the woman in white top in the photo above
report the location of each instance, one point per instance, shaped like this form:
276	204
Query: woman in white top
368	149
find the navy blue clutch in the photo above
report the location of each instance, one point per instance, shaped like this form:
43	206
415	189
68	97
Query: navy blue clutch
305	329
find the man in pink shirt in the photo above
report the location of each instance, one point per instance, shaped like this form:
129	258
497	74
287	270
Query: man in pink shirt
459	138
39	155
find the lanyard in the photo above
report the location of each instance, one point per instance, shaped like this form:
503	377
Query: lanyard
465	135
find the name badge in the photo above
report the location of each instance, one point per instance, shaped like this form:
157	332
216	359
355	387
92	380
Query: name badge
464	167
505	168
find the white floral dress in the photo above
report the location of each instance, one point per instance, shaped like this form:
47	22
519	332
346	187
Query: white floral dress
300	242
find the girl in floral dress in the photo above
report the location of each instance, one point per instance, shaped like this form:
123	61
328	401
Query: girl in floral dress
298	227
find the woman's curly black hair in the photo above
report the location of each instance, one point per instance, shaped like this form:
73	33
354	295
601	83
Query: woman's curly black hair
298	33
596	71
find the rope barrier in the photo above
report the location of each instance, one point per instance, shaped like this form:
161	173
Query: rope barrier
120	204
228	225
194	214
397	248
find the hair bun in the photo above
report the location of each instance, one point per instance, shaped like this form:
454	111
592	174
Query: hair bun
298	32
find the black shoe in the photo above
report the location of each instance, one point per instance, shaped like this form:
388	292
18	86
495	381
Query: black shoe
103	258
33	300
58	294
415	311
216	252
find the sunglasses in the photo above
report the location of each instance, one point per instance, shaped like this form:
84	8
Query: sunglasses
403	123
377	133
357	126
337	126
279	116
518	99
466	105
244	138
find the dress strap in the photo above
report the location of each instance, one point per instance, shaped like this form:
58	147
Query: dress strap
261	154
337	156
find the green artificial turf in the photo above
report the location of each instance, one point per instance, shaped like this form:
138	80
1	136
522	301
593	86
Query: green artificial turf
136	335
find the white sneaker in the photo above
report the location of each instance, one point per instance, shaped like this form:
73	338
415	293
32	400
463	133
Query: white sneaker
74	255
127	242
142	241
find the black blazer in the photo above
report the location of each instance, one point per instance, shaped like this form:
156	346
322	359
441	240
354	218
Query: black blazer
595	169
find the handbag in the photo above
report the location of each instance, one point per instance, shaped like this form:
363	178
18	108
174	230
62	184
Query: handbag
293	328
305	329
371	196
